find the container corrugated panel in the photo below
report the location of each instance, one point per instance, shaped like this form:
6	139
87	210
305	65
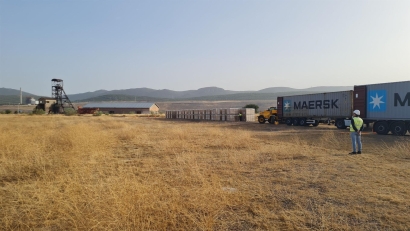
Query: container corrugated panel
332	104
388	101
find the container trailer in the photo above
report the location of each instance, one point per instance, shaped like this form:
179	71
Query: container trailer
301	110
386	105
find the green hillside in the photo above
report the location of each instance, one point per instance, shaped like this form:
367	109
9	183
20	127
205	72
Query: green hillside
11	99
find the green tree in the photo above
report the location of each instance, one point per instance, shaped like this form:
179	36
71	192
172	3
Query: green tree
252	106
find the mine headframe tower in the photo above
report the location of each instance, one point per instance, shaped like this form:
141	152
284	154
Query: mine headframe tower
58	93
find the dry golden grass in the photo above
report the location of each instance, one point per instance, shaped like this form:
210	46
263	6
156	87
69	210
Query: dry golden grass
130	173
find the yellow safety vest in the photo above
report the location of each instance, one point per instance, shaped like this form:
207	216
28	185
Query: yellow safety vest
358	122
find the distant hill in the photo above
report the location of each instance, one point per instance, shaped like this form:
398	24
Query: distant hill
11	96
106	98
202	92
164	93
9	91
311	89
250	96
238	96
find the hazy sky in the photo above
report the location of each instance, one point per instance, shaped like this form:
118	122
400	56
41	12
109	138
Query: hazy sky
182	45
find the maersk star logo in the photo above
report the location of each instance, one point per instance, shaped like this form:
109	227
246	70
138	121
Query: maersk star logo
287	105
377	100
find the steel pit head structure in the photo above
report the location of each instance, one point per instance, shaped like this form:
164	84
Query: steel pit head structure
62	100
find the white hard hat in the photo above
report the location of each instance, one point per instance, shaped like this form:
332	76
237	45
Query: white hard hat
357	112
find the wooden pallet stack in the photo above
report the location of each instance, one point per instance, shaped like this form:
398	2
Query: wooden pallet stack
216	114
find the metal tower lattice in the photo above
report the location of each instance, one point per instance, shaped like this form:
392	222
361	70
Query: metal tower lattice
58	93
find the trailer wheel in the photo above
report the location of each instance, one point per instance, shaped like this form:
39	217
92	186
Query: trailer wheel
398	128
316	123
340	124
288	121
302	122
296	121
382	128
261	119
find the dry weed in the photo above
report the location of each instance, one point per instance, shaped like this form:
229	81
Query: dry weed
131	173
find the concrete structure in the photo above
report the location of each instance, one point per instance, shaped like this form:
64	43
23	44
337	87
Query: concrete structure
30	100
46	103
125	108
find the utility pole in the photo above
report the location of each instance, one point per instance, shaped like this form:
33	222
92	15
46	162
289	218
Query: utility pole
21	102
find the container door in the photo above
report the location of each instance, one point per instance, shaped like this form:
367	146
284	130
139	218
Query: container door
359	100
279	107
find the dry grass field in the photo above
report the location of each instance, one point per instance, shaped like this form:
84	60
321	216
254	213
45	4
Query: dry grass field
132	173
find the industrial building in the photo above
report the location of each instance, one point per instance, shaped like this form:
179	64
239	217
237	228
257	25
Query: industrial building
124	108
46	104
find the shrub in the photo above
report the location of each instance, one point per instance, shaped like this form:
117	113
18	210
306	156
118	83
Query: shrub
38	112
98	113
70	112
7	111
252	106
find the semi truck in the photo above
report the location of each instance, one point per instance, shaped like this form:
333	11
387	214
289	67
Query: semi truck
386	105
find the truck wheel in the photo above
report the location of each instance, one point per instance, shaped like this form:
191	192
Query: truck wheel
302	122
316	123
382	128
340	124
261	119
271	120
288	121
398	128
296	121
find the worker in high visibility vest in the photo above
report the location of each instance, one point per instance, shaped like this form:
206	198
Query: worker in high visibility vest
356	128
240	116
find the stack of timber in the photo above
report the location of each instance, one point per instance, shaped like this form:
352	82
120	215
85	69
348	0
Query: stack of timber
216	114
